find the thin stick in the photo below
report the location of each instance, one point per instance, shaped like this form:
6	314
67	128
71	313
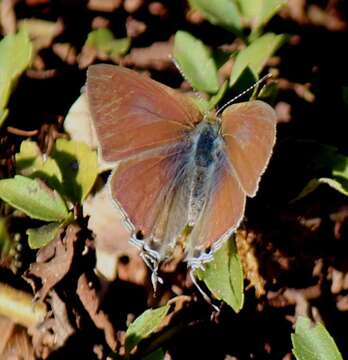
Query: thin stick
20	132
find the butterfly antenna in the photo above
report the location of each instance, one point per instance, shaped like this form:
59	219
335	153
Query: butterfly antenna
244	92
205	296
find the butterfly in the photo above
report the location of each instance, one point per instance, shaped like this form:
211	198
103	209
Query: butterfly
177	168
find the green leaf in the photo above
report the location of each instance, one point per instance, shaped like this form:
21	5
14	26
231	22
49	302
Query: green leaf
196	62
5	239
313	342
30	162
333	167
155	355
79	167
34	198
104	41
144	325
259	12
214	100
256	55
39	237
224	275
223	13
15	57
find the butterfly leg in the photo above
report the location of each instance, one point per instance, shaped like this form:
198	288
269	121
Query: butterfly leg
150	258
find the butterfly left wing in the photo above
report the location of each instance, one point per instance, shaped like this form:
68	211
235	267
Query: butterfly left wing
248	135
248	130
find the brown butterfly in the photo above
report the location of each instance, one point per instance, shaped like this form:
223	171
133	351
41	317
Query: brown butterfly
177	167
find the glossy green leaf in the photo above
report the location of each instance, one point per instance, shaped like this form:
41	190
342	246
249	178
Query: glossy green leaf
144	325
79	167
224	275
39	237
34	198
256	55
196	62
313	342
223	13
30	162
103	40
259	12
15	57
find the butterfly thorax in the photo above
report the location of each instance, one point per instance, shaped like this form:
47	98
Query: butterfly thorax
206	148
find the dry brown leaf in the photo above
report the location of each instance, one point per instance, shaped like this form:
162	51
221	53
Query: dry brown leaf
157	57
112	240
54	330
104	5
134	27
90	301
53	261
8	20
14	341
249	261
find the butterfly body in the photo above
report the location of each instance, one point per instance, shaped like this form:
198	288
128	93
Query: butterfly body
176	166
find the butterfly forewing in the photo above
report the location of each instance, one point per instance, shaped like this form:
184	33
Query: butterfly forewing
133	114
248	130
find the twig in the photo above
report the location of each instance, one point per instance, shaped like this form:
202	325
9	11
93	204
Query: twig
20	307
20	132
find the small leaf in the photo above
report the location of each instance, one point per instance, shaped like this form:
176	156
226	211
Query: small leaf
330	164
144	325
259	12
39	237
196	62
3	115
224	275
155	355
34	198
224	13
15	57
103	40
339	185
313	342
79	167
5	239
256	55
30	162
119	47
